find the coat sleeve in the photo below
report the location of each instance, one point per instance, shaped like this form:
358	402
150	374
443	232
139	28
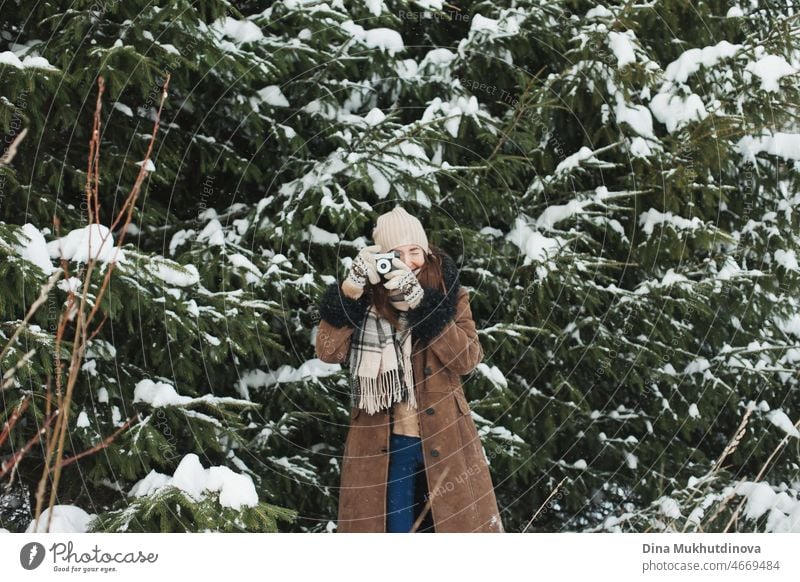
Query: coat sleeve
457	344
338	317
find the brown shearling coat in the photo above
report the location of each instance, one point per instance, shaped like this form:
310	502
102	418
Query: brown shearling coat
457	473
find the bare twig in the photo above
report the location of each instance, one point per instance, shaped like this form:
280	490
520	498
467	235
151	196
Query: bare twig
737	437
12	149
97	330
722	505
427	507
12	420
9	464
55	445
761	473
538	511
79	341
131	200
100	446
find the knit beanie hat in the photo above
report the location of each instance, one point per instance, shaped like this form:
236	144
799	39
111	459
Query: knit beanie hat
397	228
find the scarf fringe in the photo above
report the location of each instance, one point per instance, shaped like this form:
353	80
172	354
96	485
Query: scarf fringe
375	394
374	388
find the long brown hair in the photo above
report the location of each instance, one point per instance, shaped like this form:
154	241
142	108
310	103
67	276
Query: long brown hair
430	275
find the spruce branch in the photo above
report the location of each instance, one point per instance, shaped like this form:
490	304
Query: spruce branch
8	377
43	293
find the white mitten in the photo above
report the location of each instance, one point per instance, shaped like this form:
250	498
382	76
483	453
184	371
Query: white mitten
362	269
403	278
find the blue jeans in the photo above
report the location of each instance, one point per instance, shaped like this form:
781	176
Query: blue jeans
405	462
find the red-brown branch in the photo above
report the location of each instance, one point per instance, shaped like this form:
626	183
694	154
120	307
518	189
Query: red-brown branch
12	420
17	457
84	321
100	446
134	194
96	331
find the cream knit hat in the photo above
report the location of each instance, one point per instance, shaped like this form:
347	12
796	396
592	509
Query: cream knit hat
397	228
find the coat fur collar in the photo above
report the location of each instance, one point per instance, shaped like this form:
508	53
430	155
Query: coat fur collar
436	309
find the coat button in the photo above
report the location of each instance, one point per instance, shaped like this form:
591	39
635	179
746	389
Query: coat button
434	453
429	410
427	371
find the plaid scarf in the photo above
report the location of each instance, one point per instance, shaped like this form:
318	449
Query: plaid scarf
380	363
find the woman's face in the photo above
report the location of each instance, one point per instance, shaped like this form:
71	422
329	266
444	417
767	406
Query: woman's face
412	255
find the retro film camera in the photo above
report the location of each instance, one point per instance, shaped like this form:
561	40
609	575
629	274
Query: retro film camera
383	262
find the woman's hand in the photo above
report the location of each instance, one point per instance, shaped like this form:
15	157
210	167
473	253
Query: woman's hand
403	278
362	269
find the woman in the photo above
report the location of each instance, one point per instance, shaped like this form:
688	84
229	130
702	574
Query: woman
407	338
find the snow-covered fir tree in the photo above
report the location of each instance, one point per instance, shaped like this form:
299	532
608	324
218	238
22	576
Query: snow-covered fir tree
617	182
